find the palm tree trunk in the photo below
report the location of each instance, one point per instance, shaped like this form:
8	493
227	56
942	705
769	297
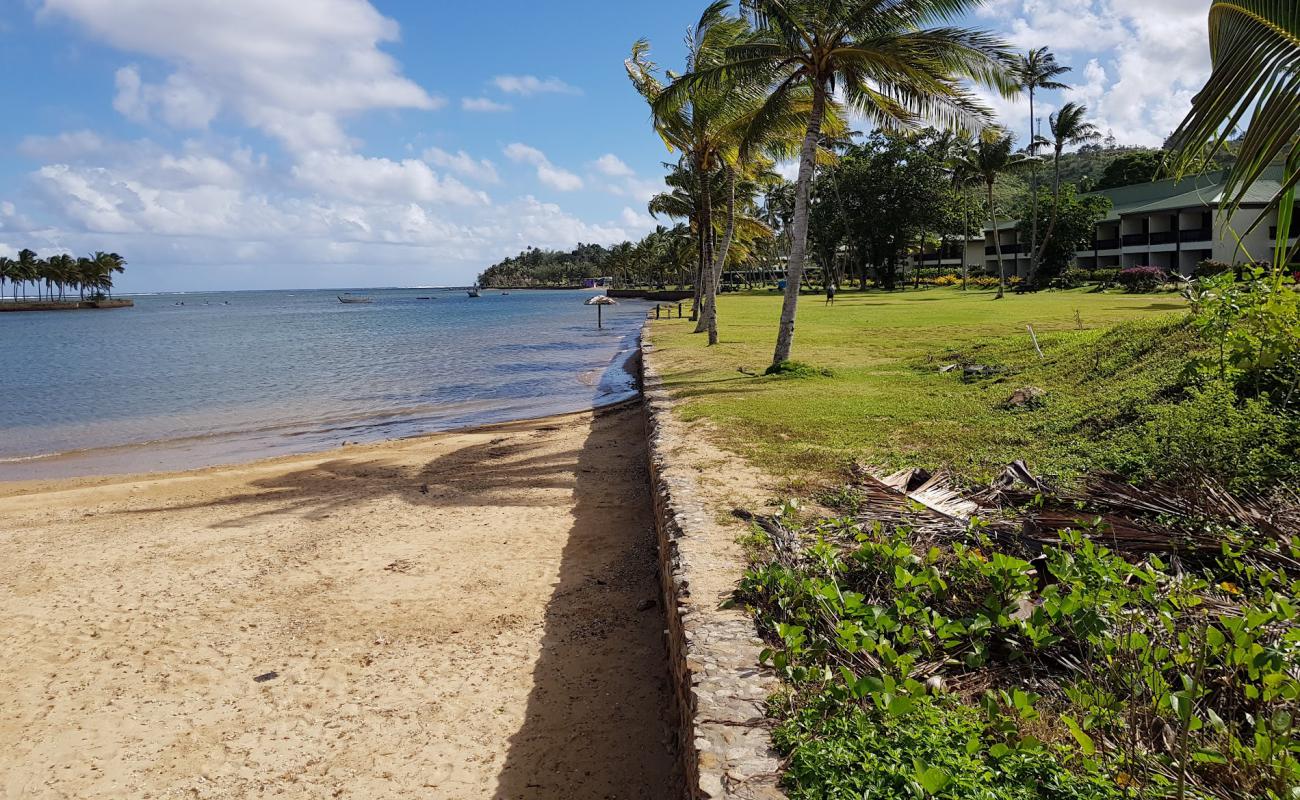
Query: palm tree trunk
706	244
997	246
965	243
1056	207
799	237
1033	189
719	261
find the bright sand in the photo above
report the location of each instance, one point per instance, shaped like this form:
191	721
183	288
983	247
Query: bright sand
456	616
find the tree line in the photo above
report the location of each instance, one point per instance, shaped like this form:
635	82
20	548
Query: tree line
777	82
51	278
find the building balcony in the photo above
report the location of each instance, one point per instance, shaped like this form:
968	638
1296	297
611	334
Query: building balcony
1135	239
1106	244
1164	237
1196	235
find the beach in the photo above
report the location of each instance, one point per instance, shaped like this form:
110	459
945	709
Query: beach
463	615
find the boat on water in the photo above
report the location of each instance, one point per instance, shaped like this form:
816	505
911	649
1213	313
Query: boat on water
354	298
473	291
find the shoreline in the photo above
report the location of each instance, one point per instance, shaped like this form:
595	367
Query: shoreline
115	460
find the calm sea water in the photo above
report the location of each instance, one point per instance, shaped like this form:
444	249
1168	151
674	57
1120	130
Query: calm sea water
227	377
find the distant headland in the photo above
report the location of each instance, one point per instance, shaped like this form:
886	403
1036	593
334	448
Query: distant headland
53	279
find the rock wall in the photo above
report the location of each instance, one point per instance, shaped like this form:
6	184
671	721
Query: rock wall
719	689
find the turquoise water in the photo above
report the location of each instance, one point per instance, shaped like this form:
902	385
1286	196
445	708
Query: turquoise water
188	380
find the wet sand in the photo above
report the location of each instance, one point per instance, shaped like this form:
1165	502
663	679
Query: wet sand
458	616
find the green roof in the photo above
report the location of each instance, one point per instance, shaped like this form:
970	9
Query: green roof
1193	192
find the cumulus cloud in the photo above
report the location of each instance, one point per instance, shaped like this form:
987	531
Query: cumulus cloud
67	145
549	174
463	163
347	175
531	84
1137	65
291	69
482	105
613	166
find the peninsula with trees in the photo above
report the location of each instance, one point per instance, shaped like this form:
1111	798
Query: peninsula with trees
48	284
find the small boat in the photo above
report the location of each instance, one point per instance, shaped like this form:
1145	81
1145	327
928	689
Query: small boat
424	298
473	292
352	298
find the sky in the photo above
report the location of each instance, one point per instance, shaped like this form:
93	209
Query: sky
252	144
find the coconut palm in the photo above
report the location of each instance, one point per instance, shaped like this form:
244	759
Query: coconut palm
1069	128
895	62
992	155
700	127
955	152
1255	52
1036	70
28	267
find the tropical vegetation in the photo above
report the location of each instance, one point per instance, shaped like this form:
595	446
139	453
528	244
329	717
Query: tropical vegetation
53	277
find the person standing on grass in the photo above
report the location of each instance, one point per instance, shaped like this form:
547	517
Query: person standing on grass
830	293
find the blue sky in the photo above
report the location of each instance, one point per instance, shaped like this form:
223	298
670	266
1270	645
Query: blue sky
295	143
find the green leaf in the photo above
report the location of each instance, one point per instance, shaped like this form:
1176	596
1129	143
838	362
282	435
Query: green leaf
1084	740
932	779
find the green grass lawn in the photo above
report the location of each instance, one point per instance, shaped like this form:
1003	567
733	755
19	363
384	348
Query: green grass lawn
886	402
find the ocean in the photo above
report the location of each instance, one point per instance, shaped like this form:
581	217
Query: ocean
198	379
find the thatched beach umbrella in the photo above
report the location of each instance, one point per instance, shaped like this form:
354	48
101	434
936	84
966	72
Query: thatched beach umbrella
598	301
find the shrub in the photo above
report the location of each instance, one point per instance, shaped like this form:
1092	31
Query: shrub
1105	276
1142	279
948	280
798	369
1209	267
1074	276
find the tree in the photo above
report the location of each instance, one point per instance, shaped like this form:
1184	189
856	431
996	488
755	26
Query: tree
702	126
892	63
1036	70
1134	166
992	155
879	199
1071	222
1255	53
1069	128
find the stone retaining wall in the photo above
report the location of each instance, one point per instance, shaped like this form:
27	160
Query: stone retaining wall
719	689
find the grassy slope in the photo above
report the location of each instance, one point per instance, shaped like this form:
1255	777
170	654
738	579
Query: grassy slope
887	404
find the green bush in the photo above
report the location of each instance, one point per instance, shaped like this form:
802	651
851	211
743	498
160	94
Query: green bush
934	749
1209	268
798	369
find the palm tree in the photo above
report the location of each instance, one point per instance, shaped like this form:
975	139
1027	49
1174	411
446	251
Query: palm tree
700	126
1069	128
28	269
993	154
1255	50
894	62
6	273
1036	70
956	154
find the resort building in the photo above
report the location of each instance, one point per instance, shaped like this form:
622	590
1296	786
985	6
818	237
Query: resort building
1169	224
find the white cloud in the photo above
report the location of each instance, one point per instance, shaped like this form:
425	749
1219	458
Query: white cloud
291	69
531	84
463	163
1137	65
179	101
482	105
355	177
547	173
613	166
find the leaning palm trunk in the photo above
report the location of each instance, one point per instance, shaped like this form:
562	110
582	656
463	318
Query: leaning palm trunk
706	248
1056	207
799	233
710	317
997	245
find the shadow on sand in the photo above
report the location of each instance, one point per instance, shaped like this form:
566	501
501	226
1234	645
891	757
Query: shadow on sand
597	719
596	722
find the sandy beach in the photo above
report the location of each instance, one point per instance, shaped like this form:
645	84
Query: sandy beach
466	615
